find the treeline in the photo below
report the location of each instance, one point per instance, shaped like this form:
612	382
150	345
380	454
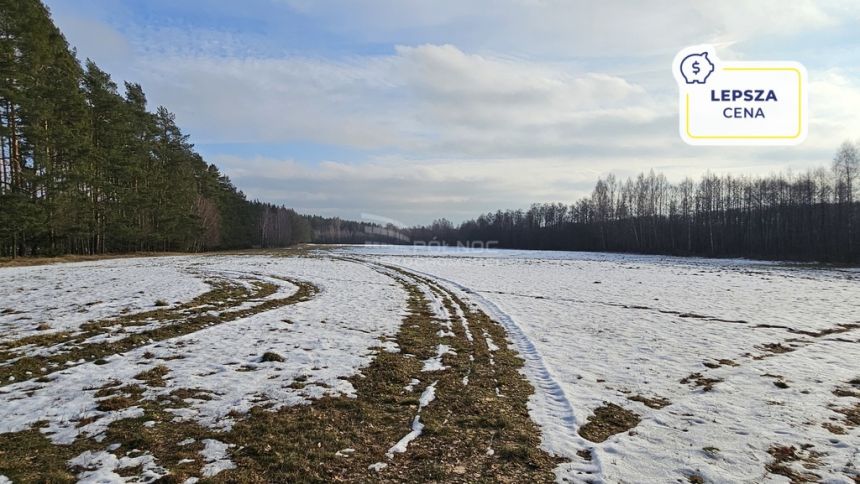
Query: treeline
86	169
811	216
337	231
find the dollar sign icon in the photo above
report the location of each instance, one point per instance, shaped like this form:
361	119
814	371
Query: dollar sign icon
695	67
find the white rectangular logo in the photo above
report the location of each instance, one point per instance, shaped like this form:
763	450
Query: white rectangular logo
740	103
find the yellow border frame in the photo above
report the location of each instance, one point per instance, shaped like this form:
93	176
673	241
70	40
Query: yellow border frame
799	107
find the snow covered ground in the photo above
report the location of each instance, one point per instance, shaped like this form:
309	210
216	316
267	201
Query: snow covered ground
725	362
63	296
318	342
772	342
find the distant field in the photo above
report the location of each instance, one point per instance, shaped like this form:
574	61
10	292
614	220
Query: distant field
403	364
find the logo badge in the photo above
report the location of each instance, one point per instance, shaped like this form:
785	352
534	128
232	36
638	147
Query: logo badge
739	103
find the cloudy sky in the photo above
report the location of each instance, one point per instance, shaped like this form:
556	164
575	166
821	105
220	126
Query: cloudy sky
415	110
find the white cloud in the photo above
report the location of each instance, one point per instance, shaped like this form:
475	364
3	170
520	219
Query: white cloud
483	92
575	27
424	100
477	105
466	133
412	191
95	39
834	104
259	100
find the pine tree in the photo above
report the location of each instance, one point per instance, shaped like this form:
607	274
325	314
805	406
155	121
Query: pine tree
84	169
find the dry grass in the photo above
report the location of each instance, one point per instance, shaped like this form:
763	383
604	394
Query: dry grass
833	428
785	456
301	249
270	356
851	415
698	380
176	321
301	443
721	362
63	259
608	420
153	377
775	348
655	402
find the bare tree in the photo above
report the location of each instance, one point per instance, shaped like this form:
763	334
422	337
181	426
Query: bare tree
805	216
846	166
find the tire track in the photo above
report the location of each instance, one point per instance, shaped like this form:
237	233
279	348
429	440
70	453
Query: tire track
228	301
551	407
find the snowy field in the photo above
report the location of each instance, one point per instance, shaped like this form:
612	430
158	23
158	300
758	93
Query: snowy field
64	296
726	371
321	341
773	343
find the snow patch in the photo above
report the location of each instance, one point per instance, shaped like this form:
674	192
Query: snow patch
215	456
652	322
411	386
435	363
428	395
400	447
323	340
99	467
490	344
